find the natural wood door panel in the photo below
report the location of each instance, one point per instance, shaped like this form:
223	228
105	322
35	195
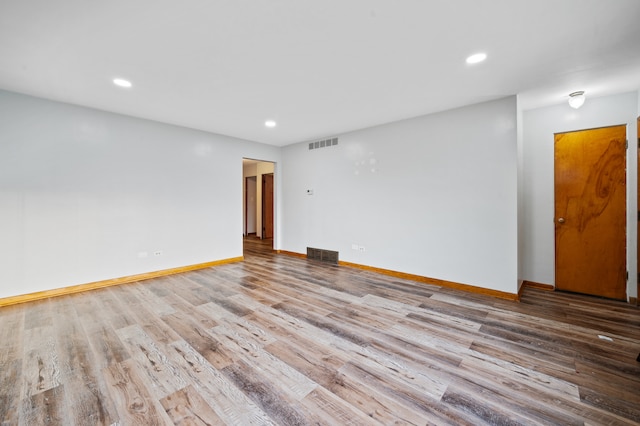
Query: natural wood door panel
590	211
267	206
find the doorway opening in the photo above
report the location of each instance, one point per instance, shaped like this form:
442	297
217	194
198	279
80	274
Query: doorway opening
258	179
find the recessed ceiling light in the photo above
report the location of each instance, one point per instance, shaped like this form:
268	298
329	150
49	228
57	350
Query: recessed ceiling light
477	57
270	123
122	82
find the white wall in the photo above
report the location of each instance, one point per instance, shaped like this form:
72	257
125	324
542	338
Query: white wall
539	128
83	192
434	196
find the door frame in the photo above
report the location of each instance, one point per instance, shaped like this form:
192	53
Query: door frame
261	167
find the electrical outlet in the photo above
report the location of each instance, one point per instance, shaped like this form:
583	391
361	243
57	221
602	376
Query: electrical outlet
157	253
361	248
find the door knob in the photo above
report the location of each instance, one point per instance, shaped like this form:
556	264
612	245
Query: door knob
561	220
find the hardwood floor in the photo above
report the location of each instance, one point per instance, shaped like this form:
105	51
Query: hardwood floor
281	340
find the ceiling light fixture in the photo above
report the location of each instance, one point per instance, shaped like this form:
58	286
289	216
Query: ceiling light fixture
270	123
576	99
476	58
122	82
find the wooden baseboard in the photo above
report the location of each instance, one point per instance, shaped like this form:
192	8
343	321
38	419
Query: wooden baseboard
540	286
520	288
419	278
23	298
435	281
549	287
291	253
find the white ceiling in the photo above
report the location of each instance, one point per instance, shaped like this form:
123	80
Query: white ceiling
317	67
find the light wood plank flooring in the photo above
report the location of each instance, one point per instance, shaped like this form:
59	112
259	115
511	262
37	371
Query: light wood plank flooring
280	340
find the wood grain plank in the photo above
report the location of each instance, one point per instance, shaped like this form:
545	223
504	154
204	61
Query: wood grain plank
397	403
380	403
294	384
229	402
160	373
447	350
557	398
624	408
383	362
86	394
479	411
206	344
96	320
150	300
149	319
321	369
609	382
269	396
38	315
88	308
40	369
296	342
165	286
189	290
134	404
45	408
112	308
561	354
545	372
182	306
324	407
11	353
217	280
321	322
10	374
247	329
107	346
186	407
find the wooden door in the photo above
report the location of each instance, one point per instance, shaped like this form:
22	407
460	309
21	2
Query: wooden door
590	211
250	205
267	206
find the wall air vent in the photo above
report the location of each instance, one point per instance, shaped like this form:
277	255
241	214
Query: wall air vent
323	143
328	256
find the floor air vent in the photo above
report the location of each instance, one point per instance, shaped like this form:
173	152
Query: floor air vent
322	255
